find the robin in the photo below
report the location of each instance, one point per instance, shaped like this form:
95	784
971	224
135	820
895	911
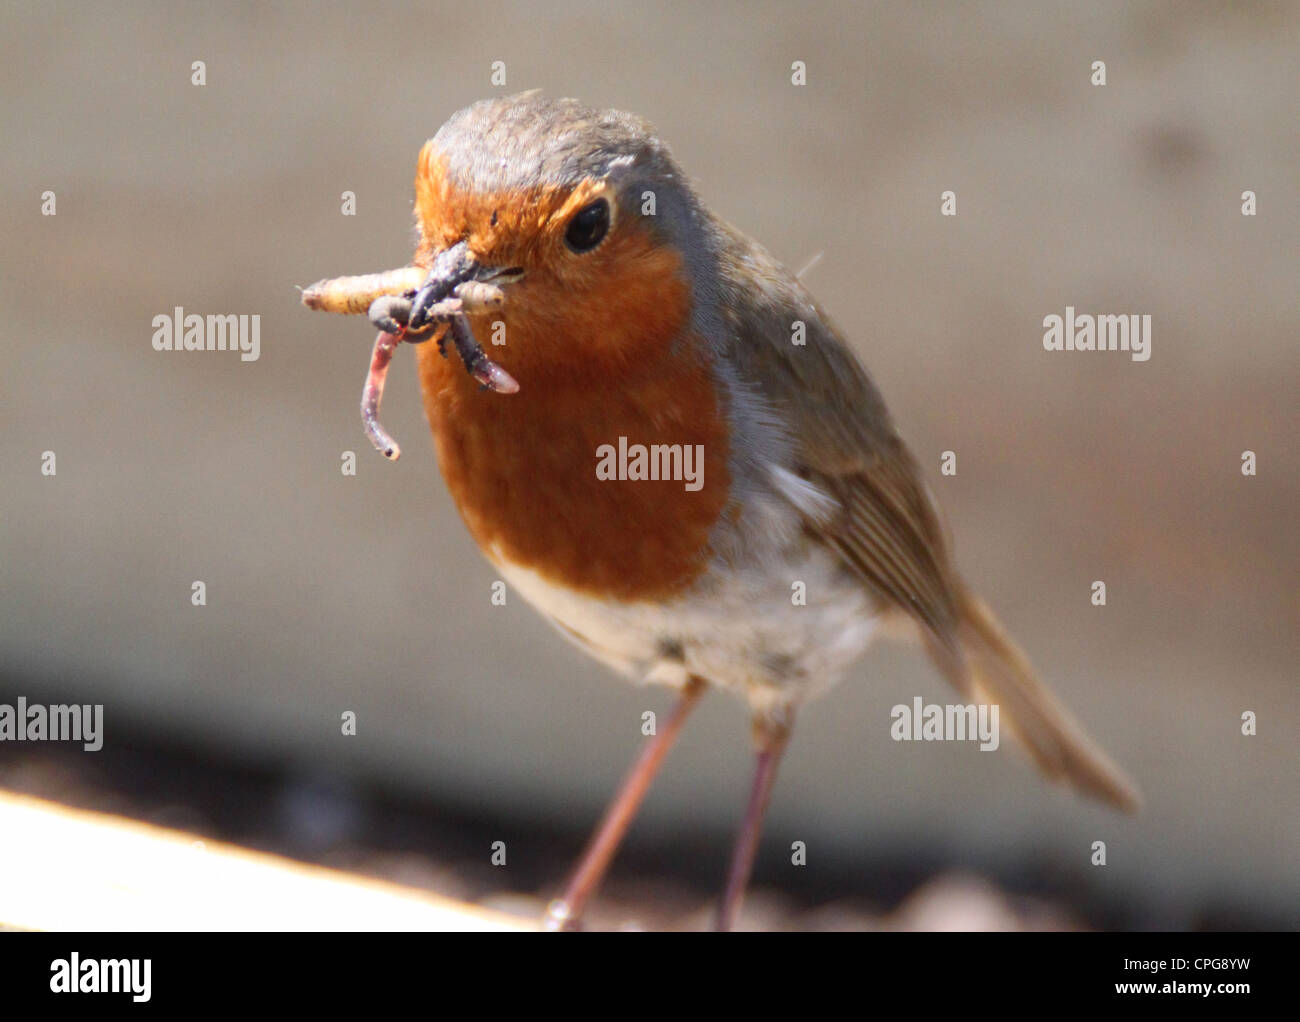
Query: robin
687	470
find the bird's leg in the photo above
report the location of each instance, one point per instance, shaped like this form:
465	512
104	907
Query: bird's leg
770	740
565	913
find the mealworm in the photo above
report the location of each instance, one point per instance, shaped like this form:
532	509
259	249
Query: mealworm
479	297
352	295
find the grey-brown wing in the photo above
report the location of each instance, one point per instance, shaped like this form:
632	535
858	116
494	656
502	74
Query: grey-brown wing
885	528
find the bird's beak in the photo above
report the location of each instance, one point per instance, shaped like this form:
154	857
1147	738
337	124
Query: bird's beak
500	274
451	268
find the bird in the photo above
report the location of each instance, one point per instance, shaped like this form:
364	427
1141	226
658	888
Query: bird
761	523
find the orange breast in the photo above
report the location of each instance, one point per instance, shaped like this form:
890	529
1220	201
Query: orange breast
523	467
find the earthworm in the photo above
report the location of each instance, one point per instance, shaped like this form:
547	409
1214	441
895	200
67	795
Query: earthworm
373	393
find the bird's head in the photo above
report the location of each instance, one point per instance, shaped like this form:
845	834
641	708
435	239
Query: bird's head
580	215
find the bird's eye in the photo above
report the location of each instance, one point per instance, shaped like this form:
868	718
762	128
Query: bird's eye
587	228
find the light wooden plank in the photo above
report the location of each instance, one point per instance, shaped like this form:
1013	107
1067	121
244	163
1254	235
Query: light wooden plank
69	869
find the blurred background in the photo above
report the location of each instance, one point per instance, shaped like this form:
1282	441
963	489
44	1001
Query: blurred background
329	593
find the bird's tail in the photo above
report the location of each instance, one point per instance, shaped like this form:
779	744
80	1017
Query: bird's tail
993	669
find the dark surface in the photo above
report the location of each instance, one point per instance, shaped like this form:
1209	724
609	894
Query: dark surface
661	879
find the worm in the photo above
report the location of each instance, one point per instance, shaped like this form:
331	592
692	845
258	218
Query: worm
478	297
489	375
387	298
373	393
352	295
